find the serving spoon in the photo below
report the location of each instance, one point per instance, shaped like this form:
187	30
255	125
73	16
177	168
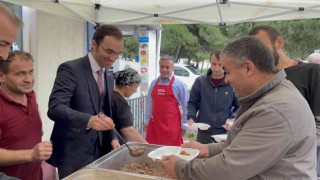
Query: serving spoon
131	152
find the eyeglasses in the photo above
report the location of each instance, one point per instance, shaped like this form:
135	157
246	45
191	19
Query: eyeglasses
111	52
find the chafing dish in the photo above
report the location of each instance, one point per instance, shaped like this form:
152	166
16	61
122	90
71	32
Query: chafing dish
102	174
109	165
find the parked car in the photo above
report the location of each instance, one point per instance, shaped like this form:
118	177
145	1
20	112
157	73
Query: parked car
186	74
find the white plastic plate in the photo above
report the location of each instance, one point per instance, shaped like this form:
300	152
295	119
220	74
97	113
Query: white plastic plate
202	126
173	150
220	137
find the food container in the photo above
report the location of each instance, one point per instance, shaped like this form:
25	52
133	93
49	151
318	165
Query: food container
183	153
103	174
220	137
120	157
191	133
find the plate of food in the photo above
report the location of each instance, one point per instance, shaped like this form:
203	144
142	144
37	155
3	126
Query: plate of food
184	153
201	126
220	137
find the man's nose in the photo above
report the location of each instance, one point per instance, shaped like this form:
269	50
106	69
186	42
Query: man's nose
4	54
216	68
114	58
29	78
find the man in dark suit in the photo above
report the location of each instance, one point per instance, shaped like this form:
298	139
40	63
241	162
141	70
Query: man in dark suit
82	90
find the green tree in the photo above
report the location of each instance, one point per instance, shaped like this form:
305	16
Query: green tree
194	42
210	38
197	41
131	48
237	31
301	37
178	41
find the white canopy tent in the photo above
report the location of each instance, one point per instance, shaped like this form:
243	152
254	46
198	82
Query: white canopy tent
66	39
143	12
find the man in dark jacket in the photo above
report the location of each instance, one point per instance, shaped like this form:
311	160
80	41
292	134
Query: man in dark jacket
212	101
82	89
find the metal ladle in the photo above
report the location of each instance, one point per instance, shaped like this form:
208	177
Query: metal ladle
133	154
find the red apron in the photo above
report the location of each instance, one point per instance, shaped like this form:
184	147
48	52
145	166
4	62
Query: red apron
164	127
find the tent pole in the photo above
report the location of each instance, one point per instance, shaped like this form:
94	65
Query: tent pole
220	15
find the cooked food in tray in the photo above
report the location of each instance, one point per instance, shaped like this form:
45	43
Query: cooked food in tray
137	149
143	168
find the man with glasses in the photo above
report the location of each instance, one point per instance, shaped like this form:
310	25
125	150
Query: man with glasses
10	24
83	89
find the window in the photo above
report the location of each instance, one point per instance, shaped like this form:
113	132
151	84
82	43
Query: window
194	70
179	71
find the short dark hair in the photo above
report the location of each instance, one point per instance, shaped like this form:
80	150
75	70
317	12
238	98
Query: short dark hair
272	32
216	53
4	65
252	49
106	30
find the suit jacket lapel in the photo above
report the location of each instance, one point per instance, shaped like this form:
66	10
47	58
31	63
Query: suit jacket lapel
92	85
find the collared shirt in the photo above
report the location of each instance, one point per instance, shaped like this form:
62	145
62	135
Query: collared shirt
95	68
180	91
20	128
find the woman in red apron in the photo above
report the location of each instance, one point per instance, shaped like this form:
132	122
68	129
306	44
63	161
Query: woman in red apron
165	122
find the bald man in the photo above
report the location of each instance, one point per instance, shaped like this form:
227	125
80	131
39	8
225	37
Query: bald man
10	25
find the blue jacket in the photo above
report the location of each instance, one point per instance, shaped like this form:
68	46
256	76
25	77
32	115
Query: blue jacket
212	104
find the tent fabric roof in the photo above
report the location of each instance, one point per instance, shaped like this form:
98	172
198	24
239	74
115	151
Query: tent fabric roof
143	12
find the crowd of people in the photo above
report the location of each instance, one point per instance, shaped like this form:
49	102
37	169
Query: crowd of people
271	99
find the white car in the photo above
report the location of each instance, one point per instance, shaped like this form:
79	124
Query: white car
186	74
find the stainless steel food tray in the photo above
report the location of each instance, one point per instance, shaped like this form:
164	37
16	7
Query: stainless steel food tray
103	174
120	157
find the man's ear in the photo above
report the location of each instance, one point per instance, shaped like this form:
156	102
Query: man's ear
279	42
94	44
249	67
